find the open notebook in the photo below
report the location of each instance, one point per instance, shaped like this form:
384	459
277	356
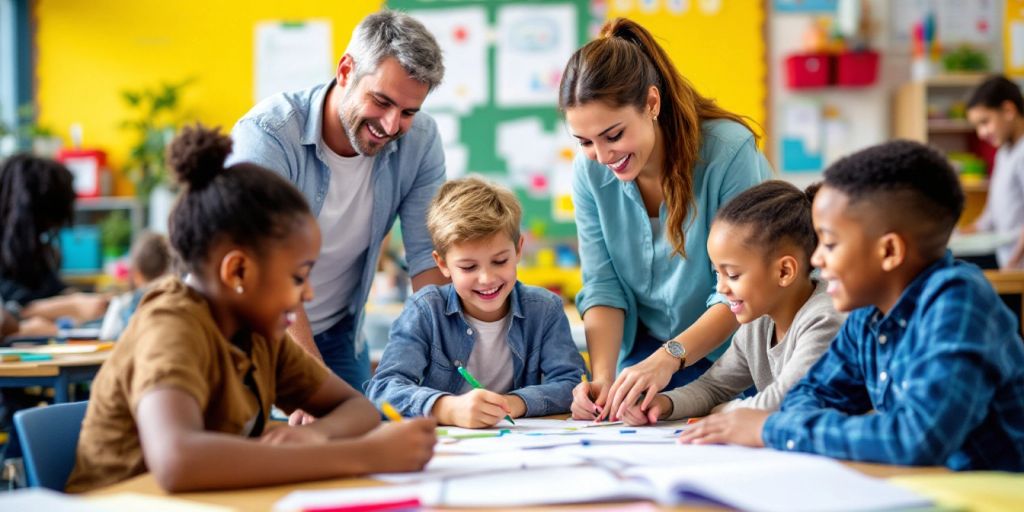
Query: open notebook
734	477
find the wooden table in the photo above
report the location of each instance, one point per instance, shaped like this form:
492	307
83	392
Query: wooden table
58	373
263	498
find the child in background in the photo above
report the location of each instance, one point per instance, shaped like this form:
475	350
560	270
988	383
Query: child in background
929	368
513	338
996	109
187	391
36	201
150	260
760	245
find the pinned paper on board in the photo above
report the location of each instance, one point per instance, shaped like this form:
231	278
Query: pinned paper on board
545	170
534	43
456	156
291	56
462	35
802	148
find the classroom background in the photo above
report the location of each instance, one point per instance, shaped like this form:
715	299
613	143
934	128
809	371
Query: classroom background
104	85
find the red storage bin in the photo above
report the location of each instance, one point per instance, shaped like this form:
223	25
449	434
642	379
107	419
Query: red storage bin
808	70
88	168
856	69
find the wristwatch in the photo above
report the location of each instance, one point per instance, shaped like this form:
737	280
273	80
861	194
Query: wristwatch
676	350
14	308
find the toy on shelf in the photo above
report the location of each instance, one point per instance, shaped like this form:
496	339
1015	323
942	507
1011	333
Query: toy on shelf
835	53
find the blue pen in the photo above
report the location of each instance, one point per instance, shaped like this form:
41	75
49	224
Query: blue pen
627	431
476	385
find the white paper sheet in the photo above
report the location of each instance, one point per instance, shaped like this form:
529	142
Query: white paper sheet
449	466
291	56
534	43
427	493
44	499
462	35
773	484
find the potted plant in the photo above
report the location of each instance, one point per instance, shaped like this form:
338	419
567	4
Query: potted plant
155	117
115	235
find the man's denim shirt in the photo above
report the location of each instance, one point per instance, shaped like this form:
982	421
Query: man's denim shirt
283	134
432	337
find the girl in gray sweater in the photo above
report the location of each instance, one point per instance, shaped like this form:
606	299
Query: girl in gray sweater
760	244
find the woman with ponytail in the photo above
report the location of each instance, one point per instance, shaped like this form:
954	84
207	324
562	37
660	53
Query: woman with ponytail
657	161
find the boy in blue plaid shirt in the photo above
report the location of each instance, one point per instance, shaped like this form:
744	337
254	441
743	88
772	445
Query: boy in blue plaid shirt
928	347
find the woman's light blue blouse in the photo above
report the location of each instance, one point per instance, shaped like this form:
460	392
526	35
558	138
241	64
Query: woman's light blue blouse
628	266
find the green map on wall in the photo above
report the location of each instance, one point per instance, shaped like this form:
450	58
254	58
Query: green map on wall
499	101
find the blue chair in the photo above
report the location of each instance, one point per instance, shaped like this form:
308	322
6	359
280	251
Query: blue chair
49	437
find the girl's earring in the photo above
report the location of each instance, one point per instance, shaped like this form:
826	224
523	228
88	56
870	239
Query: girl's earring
238	289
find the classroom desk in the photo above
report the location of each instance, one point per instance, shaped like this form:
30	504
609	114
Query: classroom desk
58	373
263	498
1009	282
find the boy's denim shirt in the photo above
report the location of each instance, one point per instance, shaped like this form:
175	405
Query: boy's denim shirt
283	134
432	337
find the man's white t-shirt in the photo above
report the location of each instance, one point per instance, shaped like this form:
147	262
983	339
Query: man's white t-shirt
344	224
491	359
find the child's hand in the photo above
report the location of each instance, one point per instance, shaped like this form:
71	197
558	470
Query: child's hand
37	326
742	426
660	407
300	417
645	378
583	407
89	306
401	446
292	435
478	408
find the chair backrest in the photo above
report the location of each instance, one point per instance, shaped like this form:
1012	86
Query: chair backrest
49	438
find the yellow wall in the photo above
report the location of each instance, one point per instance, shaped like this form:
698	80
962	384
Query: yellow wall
87	52
722	54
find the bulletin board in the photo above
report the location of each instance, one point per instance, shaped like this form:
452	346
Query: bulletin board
497	106
492	123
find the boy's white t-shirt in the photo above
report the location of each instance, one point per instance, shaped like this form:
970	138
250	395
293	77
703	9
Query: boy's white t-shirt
1004	208
344	224
491	359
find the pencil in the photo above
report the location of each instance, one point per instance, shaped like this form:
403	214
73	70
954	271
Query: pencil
390	411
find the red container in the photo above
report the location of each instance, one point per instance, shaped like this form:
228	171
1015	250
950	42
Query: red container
88	167
856	69
808	70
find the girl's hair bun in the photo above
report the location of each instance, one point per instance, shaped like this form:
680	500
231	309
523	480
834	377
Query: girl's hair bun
196	156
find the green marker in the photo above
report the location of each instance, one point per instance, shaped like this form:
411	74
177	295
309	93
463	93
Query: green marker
476	385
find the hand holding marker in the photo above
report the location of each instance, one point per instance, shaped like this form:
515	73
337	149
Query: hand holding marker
476	385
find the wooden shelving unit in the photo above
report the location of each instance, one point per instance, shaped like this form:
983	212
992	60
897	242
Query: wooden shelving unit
911	121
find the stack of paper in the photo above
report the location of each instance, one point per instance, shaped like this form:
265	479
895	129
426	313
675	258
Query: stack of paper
742	478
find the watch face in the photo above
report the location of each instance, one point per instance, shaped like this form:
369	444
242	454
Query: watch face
675	348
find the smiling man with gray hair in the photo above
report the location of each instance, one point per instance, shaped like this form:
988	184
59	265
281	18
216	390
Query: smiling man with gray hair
361	152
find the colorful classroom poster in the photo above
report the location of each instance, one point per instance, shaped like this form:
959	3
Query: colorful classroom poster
462	34
534	43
